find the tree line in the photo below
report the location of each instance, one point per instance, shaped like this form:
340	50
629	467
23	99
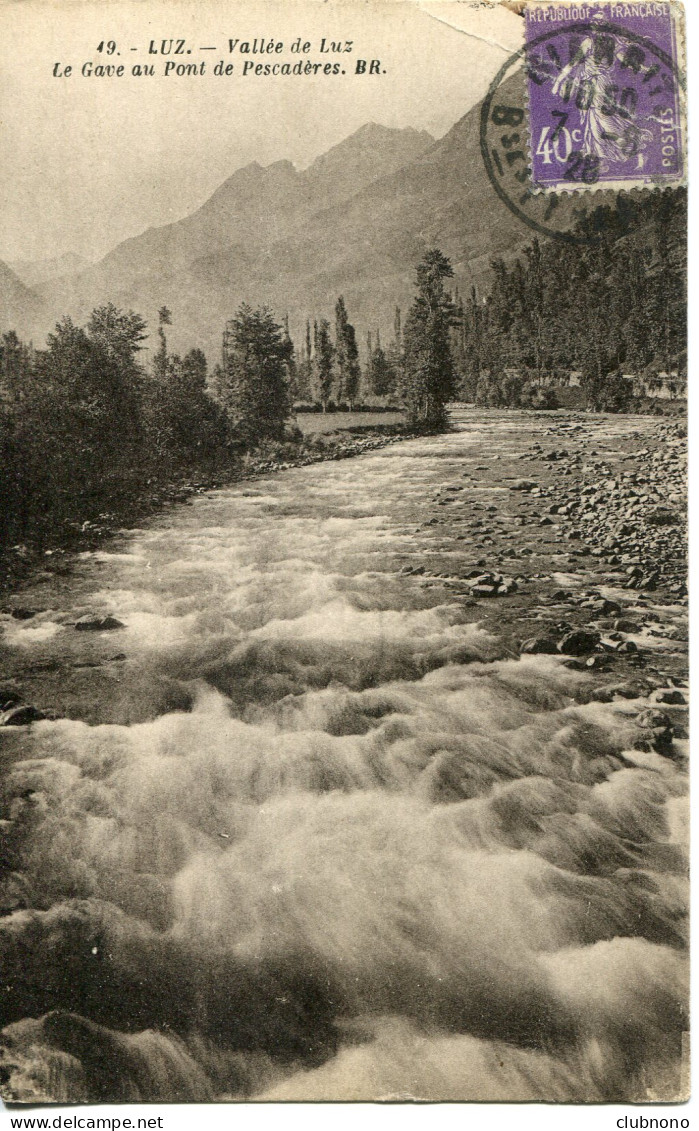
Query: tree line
83	426
611	303
326	368
262	375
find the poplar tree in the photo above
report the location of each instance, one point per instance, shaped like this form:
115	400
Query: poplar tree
347	355
323	362
394	357
304	370
160	359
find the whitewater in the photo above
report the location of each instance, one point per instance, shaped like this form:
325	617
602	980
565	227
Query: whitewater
308	827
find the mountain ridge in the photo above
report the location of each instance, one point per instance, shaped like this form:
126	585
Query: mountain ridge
17	301
355	222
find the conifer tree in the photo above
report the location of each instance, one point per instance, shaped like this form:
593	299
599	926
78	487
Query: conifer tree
15	368
291	367
255	380
429	367
382	375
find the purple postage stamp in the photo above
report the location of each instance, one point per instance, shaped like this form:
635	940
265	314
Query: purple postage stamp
605	84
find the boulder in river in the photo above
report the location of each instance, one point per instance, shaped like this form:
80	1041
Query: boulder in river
671	696
627	646
579	642
93	623
21	716
539	646
602	606
9	696
662	516
492	585
659	732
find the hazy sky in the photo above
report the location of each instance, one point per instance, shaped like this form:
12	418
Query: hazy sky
87	162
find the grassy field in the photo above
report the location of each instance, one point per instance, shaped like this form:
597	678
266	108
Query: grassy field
310	422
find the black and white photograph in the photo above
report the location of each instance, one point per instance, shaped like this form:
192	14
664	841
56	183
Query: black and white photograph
343	553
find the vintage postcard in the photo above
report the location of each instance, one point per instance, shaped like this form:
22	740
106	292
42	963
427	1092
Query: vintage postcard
343	592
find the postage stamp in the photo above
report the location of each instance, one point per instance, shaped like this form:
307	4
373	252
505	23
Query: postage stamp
604	87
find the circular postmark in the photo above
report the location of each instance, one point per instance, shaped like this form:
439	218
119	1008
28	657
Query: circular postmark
588	105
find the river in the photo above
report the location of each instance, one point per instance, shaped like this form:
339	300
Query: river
306	826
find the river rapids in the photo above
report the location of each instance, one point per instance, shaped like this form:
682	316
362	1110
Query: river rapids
308	827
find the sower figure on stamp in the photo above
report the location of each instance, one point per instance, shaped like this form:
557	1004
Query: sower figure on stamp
608	132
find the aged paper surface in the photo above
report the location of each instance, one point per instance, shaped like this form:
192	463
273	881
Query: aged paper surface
343	618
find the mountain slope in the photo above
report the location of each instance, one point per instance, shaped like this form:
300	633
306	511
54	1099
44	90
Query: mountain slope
255	206
366	248
354	223
19	305
32	272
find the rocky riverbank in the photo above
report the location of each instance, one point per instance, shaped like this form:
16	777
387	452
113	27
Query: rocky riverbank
625	509
575	540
